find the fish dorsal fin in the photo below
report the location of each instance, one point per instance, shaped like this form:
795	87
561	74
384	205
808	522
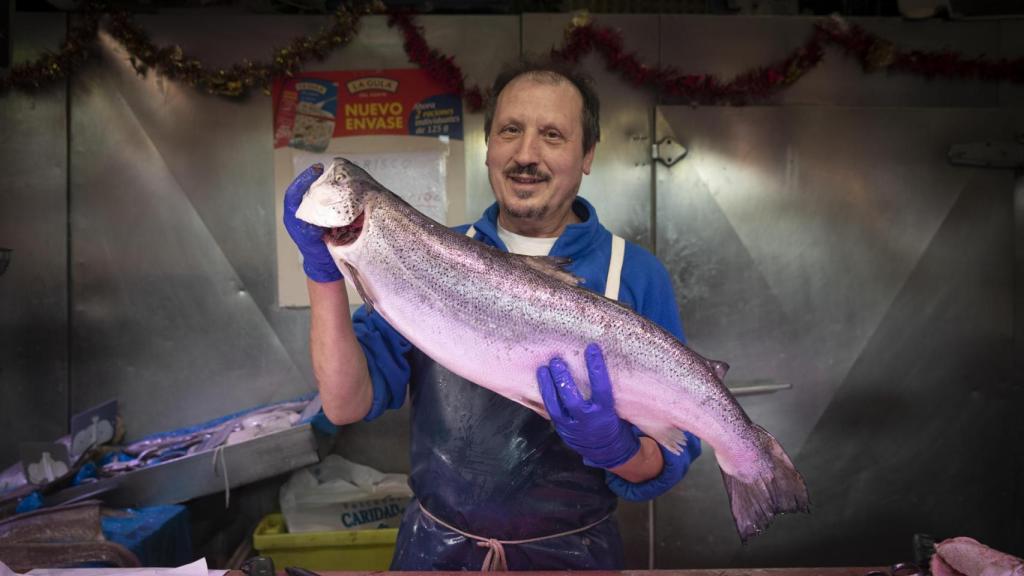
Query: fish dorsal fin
720	368
553	266
717	366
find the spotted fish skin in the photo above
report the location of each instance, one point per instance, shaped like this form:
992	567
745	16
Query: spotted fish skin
963	556
494	317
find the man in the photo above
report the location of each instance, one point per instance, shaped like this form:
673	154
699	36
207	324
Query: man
495	484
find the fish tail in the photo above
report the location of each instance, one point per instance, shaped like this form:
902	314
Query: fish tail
777	489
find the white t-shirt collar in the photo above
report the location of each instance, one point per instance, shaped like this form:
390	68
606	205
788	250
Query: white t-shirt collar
526	245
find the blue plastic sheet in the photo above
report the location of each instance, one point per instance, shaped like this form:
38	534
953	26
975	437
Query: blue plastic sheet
29	503
158	535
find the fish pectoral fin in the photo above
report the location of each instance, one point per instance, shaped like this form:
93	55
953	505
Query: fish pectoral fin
553	266
671	438
353	275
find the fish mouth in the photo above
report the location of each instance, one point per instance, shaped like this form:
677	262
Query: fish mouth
345	235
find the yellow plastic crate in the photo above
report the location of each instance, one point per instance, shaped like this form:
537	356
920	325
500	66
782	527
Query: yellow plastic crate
337	550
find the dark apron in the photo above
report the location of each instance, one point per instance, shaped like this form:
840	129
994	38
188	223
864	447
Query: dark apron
495	469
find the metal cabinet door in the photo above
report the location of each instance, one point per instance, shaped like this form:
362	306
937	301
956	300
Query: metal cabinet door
838	250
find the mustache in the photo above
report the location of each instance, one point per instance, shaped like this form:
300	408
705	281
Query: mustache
528	171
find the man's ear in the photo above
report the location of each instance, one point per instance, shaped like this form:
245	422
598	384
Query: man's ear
588	158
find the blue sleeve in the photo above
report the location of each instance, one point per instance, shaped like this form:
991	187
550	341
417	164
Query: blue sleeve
385	350
648	289
673	471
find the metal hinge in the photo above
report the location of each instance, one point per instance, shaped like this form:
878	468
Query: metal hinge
667	151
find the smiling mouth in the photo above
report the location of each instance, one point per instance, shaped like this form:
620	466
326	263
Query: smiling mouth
526	179
346	235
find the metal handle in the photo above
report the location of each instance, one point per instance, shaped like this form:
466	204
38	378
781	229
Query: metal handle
751	387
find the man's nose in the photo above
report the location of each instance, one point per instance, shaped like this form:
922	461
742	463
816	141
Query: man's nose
527	151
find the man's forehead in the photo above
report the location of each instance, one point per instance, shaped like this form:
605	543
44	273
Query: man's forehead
556	83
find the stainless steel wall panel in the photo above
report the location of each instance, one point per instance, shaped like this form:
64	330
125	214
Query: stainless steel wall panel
216	148
620	181
162	320
728	45
33	223
219	148
811	245
915	440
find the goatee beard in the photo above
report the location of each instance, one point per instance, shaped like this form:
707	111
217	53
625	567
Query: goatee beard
537	213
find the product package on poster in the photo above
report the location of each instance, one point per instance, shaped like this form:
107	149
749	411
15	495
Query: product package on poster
313	108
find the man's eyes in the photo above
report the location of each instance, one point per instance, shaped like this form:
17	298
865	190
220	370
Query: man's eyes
516	130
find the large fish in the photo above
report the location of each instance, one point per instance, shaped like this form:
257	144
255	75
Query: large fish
493	318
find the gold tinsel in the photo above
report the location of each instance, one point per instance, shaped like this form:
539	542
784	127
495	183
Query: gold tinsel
880	56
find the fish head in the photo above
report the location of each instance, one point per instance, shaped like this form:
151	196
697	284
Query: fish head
339	201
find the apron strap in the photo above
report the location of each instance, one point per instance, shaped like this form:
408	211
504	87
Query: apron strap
611	290
495	560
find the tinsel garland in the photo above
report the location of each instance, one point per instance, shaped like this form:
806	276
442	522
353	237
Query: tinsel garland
439	67
236	80
172	62
751	86
581	38
51	67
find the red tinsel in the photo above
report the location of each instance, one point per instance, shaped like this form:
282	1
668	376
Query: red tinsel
441	68
873	52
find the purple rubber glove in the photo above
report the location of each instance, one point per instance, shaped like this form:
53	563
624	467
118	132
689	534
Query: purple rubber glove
316	260
590	427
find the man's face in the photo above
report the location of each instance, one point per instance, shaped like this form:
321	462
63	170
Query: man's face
535	158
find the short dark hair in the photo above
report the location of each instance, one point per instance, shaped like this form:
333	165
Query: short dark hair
553	70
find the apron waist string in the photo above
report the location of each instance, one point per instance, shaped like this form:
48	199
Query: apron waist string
495	560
